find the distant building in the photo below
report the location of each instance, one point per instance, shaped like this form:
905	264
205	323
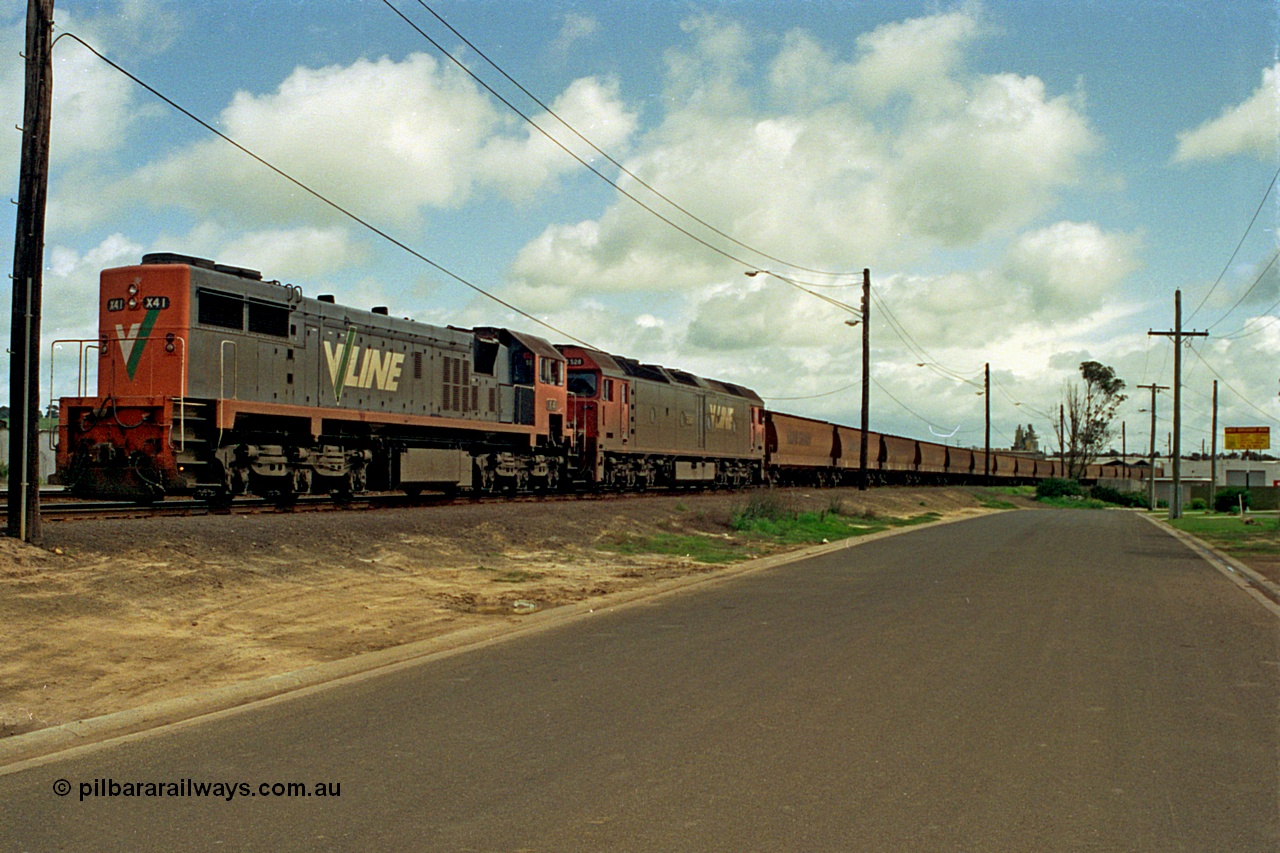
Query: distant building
1026	441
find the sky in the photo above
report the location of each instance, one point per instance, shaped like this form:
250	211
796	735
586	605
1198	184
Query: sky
1028	183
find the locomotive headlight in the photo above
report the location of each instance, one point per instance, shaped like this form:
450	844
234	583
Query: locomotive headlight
168	343
133	303
133	289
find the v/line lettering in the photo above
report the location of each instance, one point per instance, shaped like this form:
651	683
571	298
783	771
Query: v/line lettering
372	369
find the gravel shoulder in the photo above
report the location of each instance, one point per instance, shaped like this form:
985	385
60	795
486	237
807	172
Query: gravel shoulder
111	615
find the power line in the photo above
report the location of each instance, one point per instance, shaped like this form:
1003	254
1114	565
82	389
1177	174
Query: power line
816	396
601	175
1241	333
926	360
1256	282
1019	403
1218	281
316	194
1232	388
902	404
593	146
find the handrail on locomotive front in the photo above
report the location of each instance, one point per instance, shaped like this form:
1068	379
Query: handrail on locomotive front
82	375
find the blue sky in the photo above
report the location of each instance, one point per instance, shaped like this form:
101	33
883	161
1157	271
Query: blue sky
1029	182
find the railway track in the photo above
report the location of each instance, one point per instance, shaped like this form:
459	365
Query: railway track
59	508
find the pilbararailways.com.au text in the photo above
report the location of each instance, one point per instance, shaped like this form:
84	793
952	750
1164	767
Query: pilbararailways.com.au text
191	788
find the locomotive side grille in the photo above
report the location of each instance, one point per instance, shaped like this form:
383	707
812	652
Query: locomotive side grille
467	404
456	393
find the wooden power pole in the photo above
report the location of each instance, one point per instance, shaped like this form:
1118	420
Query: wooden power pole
986	432
1151	471
1175	452
866	377
28	265
1213	450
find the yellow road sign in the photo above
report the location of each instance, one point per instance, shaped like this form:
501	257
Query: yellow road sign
1248	438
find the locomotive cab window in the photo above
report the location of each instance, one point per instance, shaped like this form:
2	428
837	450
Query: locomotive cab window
583	383
549	371
220	309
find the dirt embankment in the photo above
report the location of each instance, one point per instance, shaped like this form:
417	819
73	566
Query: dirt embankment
110	615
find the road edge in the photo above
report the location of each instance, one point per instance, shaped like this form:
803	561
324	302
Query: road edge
21	752
1265	591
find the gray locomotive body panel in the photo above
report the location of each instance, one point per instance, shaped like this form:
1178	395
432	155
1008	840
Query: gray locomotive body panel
689	420
261	342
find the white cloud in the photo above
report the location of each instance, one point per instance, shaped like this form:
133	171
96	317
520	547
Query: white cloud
919	57
71	285
390	138
992	165
521	165
304	252
765	314
1251	127
93	105
575	28
1069	268
828	177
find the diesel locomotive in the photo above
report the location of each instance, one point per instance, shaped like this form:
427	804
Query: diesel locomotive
213	382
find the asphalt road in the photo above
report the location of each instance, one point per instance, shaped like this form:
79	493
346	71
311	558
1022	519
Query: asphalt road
1026	681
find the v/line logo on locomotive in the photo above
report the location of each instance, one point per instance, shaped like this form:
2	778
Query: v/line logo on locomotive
720	417
347	368
134	340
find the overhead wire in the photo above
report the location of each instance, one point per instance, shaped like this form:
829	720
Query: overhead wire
895	326
912	411
926	359
1233	389
1241	333
1243	236
1019	403
1252	287
602	176
816	396
593	146
321	197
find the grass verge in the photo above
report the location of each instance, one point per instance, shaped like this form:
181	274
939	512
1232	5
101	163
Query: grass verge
1074	503
763	525
1231	534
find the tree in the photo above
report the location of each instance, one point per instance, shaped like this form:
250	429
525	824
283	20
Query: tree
1088	412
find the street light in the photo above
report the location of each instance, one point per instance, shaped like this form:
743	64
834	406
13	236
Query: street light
863	317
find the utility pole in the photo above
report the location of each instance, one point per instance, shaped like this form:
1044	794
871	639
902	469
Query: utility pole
28	266
1124	442
1062	440
986	392
1175	497
1213	449
1151	471
866	377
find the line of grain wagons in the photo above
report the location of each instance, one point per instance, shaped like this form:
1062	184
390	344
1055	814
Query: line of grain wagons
212	382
